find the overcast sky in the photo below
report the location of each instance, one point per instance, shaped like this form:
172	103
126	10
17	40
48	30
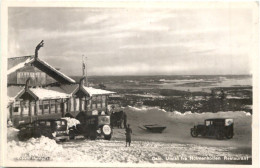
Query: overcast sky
135	41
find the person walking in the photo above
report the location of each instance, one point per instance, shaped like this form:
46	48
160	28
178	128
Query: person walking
128	135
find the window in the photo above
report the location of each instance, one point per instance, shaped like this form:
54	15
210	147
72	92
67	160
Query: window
94	105
16	109
46	106
94	98
59	123
99	98
98	105
103	104
32	75
104	98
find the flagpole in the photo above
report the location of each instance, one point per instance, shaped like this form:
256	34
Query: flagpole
83	69
86	71
86	74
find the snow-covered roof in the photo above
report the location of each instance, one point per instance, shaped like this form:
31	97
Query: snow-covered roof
93	91
56	71
43	94
18	64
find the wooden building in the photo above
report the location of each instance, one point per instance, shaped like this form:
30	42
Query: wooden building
38	90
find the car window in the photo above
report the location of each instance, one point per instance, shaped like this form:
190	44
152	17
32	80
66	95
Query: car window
48	123
218	123
208	123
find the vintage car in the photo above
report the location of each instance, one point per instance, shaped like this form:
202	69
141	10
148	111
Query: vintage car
218	127
92	127
52	128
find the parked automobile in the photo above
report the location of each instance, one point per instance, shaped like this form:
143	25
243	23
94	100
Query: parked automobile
218	127
52	128
92	127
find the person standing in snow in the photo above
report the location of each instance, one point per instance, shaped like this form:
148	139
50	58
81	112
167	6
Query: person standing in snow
128	135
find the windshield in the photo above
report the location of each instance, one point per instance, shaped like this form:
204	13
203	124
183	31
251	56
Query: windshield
60	123
102	120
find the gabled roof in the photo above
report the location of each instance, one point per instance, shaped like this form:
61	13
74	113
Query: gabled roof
19	62
12	92
53	72
93	91
69	89
16	63
13	61
43	94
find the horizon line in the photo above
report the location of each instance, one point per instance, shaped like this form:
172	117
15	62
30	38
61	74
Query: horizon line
169	75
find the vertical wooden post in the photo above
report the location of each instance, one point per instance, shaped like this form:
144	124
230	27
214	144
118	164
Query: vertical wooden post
42	107
74	104
86	104
49	106
21	106
30	108
36	108
80	104
69	104
106	104
11	110
62	108
56	106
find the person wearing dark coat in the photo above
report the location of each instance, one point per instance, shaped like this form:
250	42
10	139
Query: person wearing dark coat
128	133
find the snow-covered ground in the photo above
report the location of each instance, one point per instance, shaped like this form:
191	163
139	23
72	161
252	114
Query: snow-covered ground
101	151
174	145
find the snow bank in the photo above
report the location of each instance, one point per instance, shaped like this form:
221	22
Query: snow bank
143	108
12	134
71	121
41	149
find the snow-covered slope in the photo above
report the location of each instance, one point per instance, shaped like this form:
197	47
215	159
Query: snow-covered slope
179	124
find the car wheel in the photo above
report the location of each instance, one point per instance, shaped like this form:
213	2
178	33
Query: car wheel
194	133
